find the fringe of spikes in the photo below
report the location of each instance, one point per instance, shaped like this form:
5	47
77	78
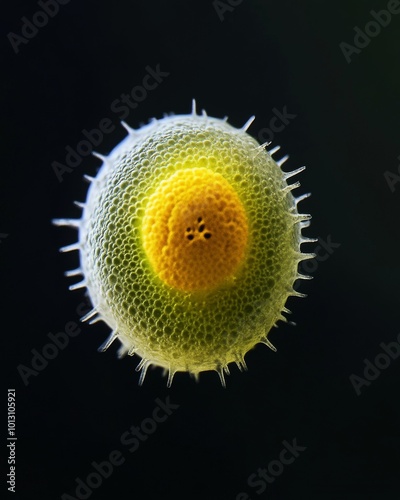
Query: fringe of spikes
94	315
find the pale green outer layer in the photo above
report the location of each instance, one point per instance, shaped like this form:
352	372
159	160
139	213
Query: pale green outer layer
170	328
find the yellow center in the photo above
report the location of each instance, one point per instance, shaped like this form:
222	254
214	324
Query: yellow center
195	230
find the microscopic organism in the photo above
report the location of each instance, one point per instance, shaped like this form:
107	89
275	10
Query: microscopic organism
189	244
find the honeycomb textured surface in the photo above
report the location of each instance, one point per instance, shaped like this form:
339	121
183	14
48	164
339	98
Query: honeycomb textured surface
190	243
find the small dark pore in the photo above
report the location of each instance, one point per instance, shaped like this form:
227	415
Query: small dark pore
190	236
199	219
201	228
188	229
207	235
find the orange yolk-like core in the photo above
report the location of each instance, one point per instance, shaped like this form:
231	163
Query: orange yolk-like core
195	230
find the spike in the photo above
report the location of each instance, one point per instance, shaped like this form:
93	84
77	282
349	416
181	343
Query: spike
268	343
99	156
220	372
77	286
295	293
304	277
140	364
70	248
226	369
287	175
274	150
130	130
122	351
290	187
194	112
286	310
132	351
303	239
66	222
171	374
79	204
301	217
282	160
302	197
88	178
96	319
142	367
301	256
264	145
282	318
248	123
305	256
204	113
89	315
240	362
73	272
105	345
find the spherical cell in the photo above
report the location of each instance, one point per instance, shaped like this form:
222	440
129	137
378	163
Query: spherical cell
189	244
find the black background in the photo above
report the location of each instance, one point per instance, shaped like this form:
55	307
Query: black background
263	55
